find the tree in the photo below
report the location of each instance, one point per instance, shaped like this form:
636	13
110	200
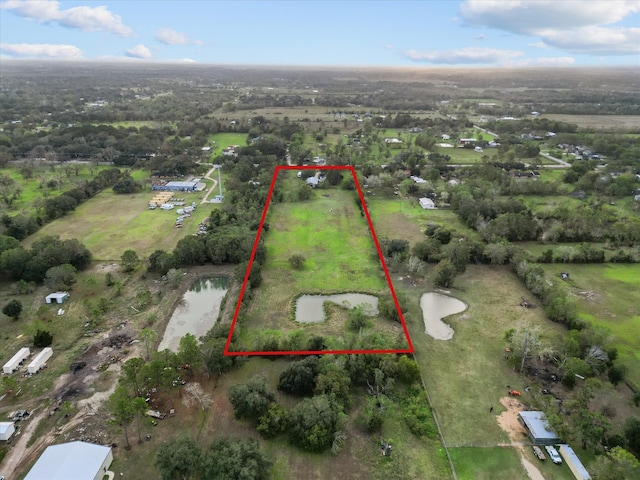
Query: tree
129	261
274	422
525	342
251	400
445	274
122	410
334	380
139	407
195	395
179	458
60	277
313	423
632	434
132	374
189	352
297	261
148	337
300	377
13	309
235	459
42	339
304	192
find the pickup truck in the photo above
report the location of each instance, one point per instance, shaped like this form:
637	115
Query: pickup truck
553	455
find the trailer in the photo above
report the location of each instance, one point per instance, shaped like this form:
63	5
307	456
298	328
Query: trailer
12	365
40	360
155	414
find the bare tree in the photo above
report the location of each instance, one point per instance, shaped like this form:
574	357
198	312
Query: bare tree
195	395
526	342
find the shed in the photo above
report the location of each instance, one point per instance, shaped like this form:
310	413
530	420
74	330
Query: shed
57	297
574	463
16	360
538	428
427	203
72	461
6	430
40	360
313	181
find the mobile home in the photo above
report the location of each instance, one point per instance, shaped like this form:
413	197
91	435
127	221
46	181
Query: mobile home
40	360
16	360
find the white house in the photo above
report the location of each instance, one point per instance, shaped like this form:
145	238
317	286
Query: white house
72	461
57	297
427	203
6	430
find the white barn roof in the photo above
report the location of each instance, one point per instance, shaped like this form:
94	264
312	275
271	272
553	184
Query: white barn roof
69	461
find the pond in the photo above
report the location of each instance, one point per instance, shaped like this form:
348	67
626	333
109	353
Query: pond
435	307
309	307
197	311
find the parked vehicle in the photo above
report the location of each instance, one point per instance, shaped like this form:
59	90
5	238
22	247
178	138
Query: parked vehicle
537	451
553	454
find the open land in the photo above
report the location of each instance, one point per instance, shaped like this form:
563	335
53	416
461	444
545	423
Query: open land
466	377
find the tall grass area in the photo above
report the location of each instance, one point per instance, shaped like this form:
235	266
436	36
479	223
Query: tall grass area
608	295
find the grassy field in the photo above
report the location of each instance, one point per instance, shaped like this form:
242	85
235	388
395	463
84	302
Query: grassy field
109	224
605	122
329	232
404	218
139	124
220	141
608	295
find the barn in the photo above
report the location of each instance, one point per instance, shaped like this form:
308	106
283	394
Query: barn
538	428
72	461
57	297
189	186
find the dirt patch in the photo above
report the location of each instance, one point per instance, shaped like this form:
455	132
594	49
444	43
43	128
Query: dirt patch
508	421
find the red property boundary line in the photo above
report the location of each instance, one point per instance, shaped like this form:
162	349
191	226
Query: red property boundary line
253	253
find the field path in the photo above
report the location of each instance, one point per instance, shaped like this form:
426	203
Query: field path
215	183
508	421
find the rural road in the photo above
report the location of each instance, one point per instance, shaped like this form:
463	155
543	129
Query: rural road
215	183
561	163
486	131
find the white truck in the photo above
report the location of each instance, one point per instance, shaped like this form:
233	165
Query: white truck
553	454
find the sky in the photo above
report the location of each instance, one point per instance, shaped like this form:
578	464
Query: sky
481	33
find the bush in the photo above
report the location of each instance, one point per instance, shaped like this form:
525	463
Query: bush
42	339
300	377
313	423
251	400
297	261
274	422
417	414
13	309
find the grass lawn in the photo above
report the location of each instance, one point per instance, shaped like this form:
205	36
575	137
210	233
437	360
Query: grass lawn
465	156
329	232
493	463
109	224
220	141
138	124
614	304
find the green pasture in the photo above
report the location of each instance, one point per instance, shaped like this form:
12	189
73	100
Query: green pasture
465	156
220	141
608	295
491	463
66	176
399	217
340	256
541	203
138	124
109	224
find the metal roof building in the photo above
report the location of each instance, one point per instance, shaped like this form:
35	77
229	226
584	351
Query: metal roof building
72	461
574	463
538	428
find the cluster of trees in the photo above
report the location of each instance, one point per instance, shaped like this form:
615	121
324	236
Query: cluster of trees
49	259
223	459
326	385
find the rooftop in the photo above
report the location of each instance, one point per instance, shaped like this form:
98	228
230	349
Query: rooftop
69	461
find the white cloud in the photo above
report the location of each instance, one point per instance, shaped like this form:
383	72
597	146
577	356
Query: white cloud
480	37
139	51
470	55
87	19
171	37
41	50
568	24
539	45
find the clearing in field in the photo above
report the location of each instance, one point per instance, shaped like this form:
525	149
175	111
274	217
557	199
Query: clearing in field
325	246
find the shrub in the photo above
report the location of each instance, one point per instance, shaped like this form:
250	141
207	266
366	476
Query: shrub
13	309
42	339
297	261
